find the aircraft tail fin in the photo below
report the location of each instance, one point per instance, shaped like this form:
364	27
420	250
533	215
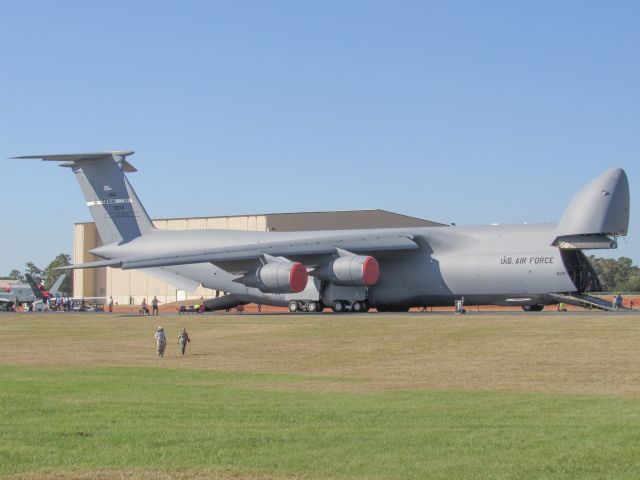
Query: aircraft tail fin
56	286
599	209
116	210
37	291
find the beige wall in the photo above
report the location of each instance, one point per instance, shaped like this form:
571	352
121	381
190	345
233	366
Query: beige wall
254	223
85	238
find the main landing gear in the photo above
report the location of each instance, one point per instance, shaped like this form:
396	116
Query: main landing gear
341	306
532	308
296	306
359	307
338	306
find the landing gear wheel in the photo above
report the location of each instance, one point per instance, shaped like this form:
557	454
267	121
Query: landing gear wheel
532	308
294	307
312	307
357	307
338	306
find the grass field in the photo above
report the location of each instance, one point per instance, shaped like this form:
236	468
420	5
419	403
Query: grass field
322	396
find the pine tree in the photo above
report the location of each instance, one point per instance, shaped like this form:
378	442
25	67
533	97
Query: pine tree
51	274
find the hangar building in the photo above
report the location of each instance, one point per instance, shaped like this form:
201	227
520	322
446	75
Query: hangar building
131	286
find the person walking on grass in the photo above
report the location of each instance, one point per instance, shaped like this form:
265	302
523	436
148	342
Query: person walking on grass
161	341
183	339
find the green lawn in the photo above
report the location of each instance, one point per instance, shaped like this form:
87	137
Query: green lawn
84	419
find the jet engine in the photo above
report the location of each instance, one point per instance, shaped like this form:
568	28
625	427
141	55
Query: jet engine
356	270
279	277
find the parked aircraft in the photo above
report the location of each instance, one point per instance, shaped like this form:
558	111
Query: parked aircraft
15	292
27	293
389	269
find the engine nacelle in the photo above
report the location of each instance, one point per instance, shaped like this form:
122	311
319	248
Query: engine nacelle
279	277
358	270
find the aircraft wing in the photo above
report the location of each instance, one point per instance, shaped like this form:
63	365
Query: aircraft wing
240	258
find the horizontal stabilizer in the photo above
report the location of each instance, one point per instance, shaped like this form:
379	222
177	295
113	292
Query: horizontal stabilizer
68	159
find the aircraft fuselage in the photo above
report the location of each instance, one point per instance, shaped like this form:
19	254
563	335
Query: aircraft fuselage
502	264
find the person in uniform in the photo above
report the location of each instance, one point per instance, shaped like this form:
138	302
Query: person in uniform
161	341
154	305
110	304
183	339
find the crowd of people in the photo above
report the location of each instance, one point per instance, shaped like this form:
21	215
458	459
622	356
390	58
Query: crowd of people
65	304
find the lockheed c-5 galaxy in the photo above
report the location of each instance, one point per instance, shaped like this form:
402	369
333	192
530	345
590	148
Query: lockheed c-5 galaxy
390	269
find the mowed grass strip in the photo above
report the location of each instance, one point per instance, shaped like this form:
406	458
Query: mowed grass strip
92	419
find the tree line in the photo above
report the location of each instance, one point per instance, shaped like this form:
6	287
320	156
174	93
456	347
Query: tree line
619	275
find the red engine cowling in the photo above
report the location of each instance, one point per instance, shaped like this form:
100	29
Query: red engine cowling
279	277
357	270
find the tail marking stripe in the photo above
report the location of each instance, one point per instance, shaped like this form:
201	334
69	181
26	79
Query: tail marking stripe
110	201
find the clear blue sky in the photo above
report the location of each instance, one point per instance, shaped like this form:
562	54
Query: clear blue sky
467	112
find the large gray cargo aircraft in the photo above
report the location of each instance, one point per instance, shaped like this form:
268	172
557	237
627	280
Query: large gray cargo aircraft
389	269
